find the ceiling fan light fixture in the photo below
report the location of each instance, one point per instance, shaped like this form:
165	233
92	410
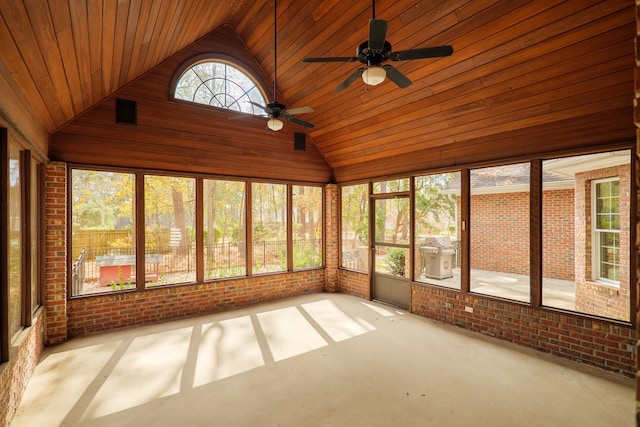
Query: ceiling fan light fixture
275	124
374	75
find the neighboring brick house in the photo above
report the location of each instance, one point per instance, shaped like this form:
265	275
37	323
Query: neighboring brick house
499	226
597	297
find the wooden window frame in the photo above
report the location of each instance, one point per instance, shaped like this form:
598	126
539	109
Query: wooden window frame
139	198
535	227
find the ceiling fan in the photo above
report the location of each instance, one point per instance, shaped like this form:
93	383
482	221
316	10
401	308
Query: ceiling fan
375	51
275	110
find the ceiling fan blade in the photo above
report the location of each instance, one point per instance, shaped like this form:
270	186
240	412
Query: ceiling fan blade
258	105
331	59
397	77
352	78
299	110
298	121
267	109
427	52
377	33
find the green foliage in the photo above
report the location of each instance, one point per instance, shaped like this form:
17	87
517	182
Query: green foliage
395	261
306	256
121	284
102	200
435	209
224	272
260	232
355	213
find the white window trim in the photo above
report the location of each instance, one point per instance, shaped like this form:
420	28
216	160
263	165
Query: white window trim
595	236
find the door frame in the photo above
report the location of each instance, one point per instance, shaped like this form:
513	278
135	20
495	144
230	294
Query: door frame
396	290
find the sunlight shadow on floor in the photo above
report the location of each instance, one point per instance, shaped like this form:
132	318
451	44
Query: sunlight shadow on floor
227	348
155	360
336	323
379	310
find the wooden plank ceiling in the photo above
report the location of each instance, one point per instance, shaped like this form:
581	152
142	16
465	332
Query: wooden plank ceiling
526	76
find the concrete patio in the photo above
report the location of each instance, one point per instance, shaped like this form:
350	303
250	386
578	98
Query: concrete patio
555	293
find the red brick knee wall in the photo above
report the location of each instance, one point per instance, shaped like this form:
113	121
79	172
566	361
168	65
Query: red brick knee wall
601	344
104	312
15	374
354	283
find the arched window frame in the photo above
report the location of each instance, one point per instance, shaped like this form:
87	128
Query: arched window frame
228	61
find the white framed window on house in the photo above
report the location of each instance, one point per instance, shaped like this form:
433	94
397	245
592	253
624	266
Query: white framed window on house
606	230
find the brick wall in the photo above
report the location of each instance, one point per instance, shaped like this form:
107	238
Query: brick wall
55	263
354	283
109	311
601	344
597	343
66	318
15	374
495	247
591	297
558	234
332	249
500	232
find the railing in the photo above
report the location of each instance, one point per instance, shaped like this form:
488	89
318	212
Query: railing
269	255
171	264
78	274
351	259
224	256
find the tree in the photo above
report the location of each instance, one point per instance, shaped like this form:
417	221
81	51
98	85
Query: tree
169	203
355	214
435	209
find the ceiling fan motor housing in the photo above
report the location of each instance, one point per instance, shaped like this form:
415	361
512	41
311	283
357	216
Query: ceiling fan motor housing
275	109
369	56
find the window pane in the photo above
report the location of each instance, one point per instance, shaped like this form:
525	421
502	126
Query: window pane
269	217
220	85
392	186
585	234
102	231
610	256
392	221
437	199
224	229
355	227
170	251
393	261
307	226
607	205
499	231
15	241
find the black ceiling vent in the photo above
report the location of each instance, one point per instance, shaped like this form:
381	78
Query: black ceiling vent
126	111
299	141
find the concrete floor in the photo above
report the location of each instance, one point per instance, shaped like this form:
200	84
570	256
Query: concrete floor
315	360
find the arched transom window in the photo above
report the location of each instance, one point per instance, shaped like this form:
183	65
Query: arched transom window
219	84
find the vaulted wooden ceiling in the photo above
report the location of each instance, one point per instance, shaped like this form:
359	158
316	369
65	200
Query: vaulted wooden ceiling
526	76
